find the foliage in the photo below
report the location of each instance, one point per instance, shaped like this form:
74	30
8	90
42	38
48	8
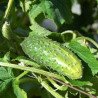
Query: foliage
70	25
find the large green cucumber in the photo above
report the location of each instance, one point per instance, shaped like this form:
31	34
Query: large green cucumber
50	54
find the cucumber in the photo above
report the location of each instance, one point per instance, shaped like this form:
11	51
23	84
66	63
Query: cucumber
50	54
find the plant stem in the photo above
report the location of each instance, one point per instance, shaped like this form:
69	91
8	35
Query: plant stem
58	87
21	75
9	6
69	32
48	88
45	73
74	88
89	39
34	70
28	62
43	83
23	80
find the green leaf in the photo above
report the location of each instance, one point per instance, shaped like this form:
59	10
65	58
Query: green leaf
6	89
20	93
56	10
5	73
97	1
37	29
6	77
25	5
6	57
47	8
63	10
4	84
85	54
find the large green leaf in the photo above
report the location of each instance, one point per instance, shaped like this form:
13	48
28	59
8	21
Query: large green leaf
56	10
6	74
85	54
47	8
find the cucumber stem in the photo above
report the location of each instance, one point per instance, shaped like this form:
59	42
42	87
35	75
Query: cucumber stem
21	75
68	32
89	39
48	88
58	87
34	70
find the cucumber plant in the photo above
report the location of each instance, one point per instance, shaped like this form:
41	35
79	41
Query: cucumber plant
50	54
45	63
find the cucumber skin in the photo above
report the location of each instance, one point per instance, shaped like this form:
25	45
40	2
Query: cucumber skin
48	53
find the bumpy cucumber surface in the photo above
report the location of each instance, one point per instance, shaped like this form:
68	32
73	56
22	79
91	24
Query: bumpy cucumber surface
50	54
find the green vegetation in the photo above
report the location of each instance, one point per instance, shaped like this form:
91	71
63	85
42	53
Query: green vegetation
49	49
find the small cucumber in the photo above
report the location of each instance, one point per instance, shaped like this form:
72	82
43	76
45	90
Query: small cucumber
50	54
